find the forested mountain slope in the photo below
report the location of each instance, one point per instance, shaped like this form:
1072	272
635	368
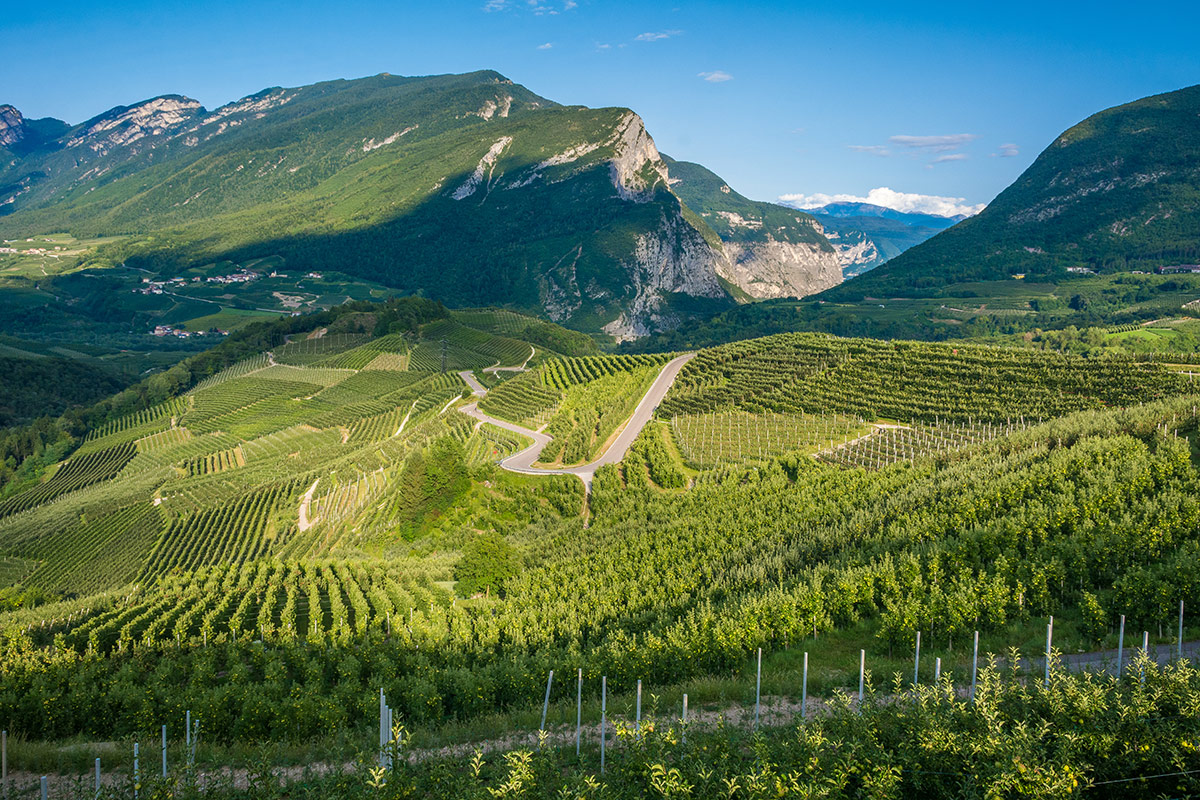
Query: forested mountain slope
1115	192
1078	241
468	188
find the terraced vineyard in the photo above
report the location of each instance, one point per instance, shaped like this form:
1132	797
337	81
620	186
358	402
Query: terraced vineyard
724	437
563	373
318	601
233	533
525	400
889	444
905	381
76	473
216	477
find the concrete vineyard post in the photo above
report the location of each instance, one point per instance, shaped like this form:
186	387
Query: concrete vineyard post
1179	654
758	690
44	792
578	712
136	776
974	665
188	736
804	689
1120	645
546	701
639	706
917	662
1145	654
97	777
383	721
937	670
862	673
603	717
1049	639
683	720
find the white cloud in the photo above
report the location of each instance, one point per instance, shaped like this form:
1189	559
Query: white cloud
655	36
538	7
1008	151
873	149
716	76
889	198
545	46
949	157
934	144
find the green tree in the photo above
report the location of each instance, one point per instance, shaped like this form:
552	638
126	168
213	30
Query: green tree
487	562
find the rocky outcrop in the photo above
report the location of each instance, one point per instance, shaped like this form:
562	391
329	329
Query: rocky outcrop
855	252
128	124
636	166
776	268
12	126
671	258
484	169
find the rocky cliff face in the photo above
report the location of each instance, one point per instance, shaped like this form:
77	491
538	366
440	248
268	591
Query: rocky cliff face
776	268
673	258
12	126
129	124
768	250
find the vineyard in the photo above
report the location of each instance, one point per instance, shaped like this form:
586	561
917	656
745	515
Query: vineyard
591	411
317	601
216	477
524	400
707	440
888	444
291	536
235	532
907	381
75	473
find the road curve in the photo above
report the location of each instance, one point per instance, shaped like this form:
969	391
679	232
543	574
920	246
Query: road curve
522	461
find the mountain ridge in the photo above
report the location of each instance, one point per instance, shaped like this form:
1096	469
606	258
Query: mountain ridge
469	188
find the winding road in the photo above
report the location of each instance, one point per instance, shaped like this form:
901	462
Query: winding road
523	461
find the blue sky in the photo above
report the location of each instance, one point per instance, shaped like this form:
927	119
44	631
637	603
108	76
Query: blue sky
783	99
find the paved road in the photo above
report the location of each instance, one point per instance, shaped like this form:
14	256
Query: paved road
522	461
477	388
1106	660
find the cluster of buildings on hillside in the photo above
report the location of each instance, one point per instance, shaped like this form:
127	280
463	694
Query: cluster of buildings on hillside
151	286
168	330
32	251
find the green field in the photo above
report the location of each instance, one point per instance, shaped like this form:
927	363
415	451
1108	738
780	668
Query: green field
227	319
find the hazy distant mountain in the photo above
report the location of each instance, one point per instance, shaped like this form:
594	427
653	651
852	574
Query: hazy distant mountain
866	235
467	188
